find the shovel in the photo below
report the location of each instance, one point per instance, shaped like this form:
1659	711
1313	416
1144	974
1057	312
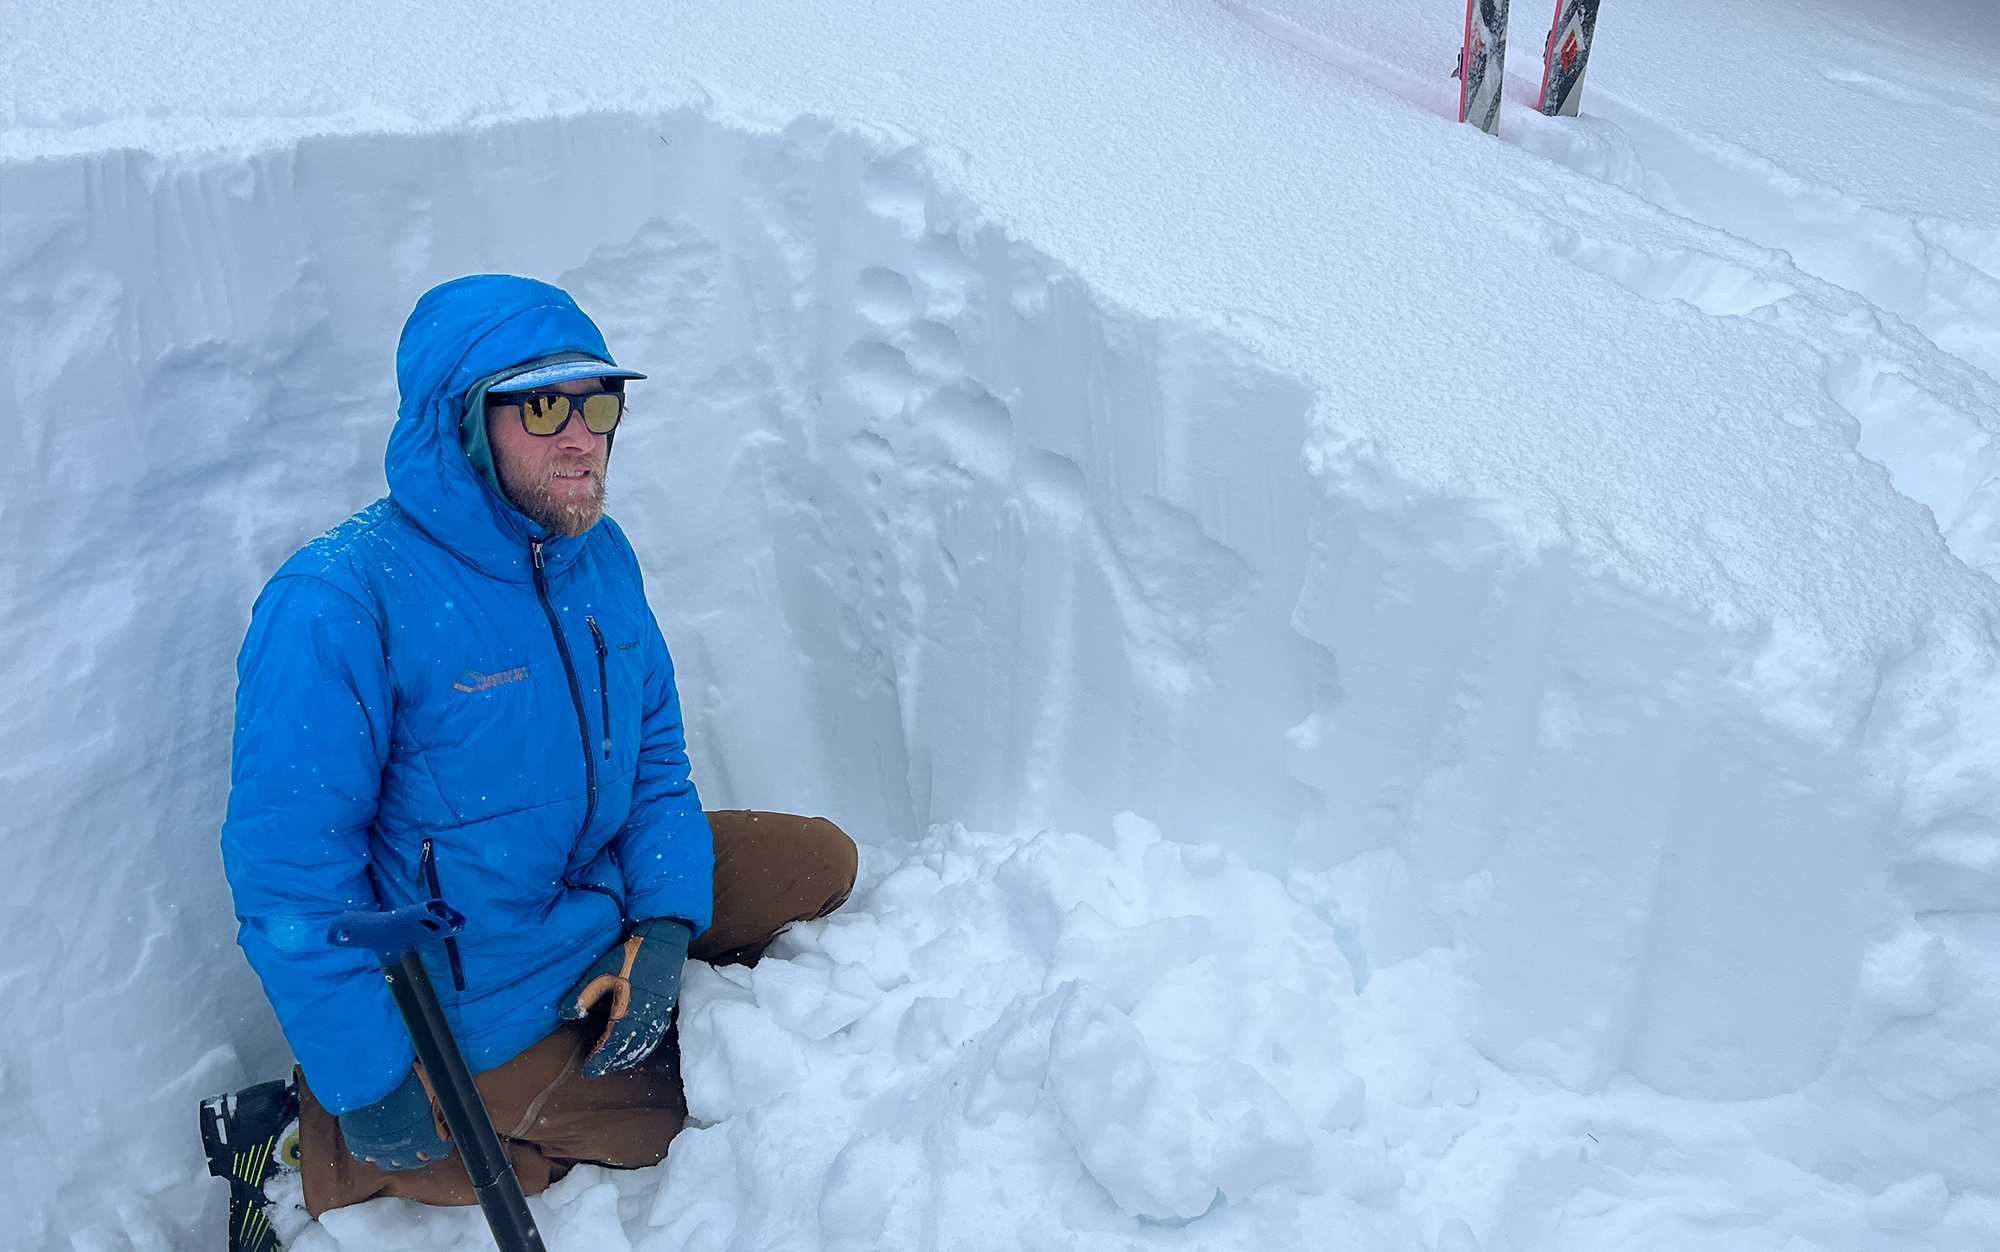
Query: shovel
394	937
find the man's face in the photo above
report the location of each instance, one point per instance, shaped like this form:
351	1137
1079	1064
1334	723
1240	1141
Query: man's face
558	480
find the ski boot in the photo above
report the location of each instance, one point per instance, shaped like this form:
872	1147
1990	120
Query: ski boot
250	1137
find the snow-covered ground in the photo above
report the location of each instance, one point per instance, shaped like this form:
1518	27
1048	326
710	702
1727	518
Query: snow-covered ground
1479	654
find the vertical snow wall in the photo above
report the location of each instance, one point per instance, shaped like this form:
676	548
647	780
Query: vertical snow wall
935	535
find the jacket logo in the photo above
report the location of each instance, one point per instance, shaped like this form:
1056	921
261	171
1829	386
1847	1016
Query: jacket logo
473	680
627	647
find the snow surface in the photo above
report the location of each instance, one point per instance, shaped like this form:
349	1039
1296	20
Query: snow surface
1479	653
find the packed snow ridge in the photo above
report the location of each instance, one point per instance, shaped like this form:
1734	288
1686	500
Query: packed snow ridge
1476	657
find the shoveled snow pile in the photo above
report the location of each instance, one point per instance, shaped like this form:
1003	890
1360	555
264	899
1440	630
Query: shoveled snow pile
1479	654
1002	1039
1042	1041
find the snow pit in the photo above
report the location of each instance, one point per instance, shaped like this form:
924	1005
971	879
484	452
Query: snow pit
1450	793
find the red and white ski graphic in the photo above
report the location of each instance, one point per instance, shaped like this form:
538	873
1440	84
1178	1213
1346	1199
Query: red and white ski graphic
1482	65
1567	55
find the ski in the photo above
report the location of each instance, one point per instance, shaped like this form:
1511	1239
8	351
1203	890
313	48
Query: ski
1566	56
1482	66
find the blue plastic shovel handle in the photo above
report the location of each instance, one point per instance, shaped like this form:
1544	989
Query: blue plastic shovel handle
392	933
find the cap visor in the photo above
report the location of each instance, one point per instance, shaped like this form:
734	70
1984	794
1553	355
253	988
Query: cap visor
549	375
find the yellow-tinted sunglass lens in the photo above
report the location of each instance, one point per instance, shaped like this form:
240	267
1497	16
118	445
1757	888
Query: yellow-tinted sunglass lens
545	415
600	412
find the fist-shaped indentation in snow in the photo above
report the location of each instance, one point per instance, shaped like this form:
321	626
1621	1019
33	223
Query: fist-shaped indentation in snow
884	297
878	376
972	429
934	350
907	375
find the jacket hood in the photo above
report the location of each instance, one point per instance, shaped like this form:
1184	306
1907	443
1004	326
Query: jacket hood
460	333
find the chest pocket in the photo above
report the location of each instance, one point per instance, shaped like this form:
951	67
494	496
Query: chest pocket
500	735
621	682
500	728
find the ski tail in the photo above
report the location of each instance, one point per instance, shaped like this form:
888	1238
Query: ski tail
1566	56
1483	64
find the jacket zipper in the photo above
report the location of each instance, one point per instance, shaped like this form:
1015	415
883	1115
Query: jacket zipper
427	866
603	687
575	688
617	900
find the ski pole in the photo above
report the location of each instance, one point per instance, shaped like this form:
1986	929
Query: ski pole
394	937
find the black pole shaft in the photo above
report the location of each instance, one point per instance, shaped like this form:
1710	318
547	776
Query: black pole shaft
472	1133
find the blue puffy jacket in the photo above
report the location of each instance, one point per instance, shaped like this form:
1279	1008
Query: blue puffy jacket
422	711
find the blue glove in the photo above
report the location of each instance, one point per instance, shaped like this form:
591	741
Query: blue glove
398	1131
642	979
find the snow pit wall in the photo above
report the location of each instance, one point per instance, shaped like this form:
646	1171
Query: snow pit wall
934	534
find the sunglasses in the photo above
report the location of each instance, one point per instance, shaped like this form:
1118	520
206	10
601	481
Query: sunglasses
547	412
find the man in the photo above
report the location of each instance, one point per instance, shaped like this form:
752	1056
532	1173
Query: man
460	693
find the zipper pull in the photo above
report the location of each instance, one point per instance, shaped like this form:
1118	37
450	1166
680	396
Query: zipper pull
535	551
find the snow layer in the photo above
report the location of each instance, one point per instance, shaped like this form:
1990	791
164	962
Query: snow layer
1557	571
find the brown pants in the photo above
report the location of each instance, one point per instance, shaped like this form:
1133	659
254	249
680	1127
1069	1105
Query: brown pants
771	869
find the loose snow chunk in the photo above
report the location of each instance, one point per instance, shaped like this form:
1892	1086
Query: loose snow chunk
751	1056
1163	1137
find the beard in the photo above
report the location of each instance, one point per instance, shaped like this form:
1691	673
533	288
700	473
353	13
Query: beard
557	506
